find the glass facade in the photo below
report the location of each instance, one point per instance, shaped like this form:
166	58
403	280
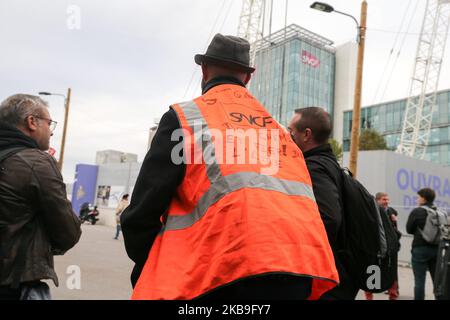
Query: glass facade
387	119
294	68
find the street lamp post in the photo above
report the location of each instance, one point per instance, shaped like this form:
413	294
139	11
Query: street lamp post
354	143
66	118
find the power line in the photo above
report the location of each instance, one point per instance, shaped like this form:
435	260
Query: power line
112	124
209	37
391	52
399	52
227	14
392	31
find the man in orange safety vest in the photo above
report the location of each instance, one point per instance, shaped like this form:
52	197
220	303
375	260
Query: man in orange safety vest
223	206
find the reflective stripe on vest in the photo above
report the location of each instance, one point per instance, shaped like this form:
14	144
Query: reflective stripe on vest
232	183
220	185
198	124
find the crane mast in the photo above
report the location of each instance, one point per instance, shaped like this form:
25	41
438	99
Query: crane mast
250	26
425	79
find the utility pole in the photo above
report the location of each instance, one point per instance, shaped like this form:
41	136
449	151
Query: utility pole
354	143
361	27
66	118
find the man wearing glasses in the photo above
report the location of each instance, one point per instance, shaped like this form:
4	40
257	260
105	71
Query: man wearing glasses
36	219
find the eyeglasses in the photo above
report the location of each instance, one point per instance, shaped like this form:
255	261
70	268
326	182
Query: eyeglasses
51	124
291	133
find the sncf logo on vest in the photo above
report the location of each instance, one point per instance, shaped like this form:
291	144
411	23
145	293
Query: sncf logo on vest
250	119
252	146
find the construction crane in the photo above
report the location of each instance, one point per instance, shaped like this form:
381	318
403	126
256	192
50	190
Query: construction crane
424	82
251	26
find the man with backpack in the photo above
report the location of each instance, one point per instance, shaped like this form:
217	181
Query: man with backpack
426	240
363	240
310	129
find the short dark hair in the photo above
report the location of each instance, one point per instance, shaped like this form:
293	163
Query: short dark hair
428	194
125	196
316	119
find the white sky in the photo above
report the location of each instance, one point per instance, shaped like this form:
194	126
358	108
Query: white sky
131	59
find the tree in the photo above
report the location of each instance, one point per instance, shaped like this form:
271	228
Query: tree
372	140
338	151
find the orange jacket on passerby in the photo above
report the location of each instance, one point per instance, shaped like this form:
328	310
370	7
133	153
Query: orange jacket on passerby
229	221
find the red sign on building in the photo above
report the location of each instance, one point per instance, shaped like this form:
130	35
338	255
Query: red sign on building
310	59
51	151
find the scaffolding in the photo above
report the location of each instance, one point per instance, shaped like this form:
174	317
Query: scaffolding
294	31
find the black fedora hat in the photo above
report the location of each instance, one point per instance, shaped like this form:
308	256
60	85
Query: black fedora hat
228	51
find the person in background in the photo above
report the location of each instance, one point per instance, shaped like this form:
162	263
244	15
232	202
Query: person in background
382	199
123	204
36	218
423	253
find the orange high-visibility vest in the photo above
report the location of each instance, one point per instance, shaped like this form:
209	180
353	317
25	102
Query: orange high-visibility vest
231	218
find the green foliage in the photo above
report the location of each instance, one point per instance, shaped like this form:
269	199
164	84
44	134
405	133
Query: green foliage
371	140
337	149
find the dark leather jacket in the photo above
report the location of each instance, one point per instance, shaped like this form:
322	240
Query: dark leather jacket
36	219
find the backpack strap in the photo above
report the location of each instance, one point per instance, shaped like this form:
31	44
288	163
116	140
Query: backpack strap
429	210
315	159
338	182
4	154
342	241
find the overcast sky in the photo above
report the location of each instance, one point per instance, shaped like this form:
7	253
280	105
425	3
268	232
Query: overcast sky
128	60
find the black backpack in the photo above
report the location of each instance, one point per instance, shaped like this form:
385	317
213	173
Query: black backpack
369	240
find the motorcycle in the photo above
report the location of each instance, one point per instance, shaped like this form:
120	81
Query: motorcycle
88	214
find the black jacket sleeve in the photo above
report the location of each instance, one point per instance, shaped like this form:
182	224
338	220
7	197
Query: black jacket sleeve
156	184
327	197
392	212
416	220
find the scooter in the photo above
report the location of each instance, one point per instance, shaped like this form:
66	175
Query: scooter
88	215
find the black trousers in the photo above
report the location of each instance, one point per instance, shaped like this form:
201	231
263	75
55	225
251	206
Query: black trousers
6	293
263	287
344	291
